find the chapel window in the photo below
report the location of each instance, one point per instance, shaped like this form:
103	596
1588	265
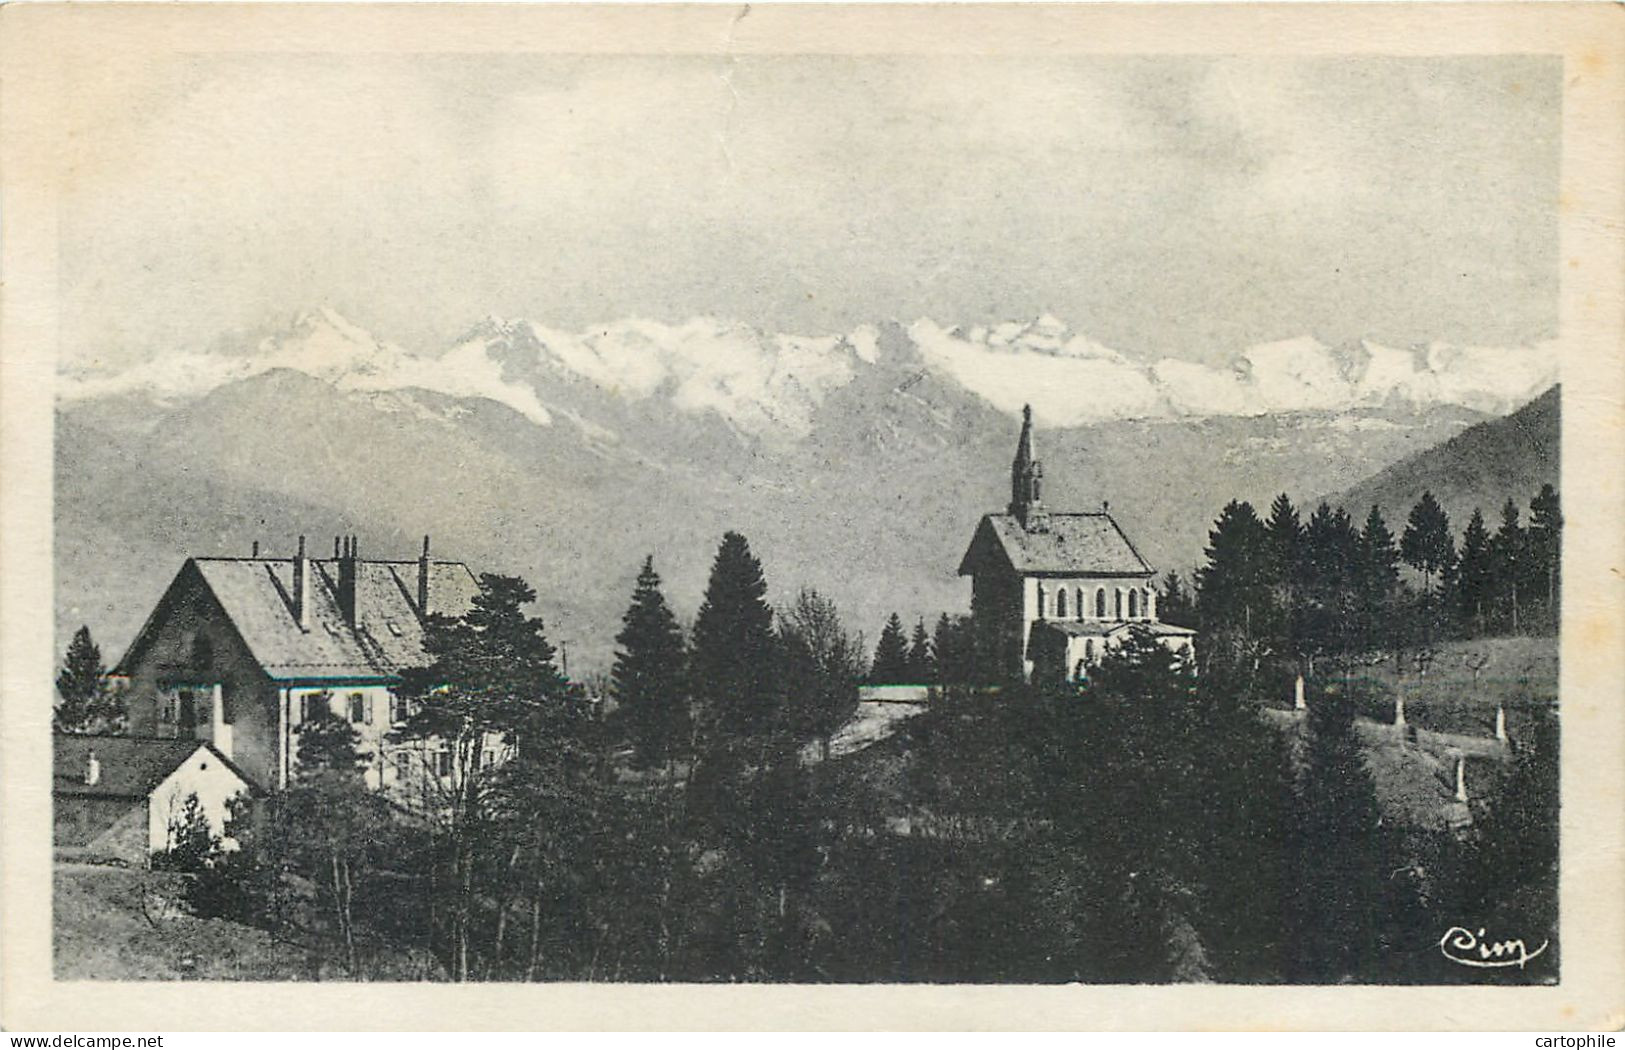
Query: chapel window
1117	606
1133	605
1082	603
1060	604
1100	604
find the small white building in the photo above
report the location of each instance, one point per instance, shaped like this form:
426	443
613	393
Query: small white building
121	797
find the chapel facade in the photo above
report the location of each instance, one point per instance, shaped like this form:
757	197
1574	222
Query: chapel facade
1052	591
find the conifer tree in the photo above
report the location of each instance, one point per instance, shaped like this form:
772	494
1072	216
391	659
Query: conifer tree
1233	588
1509	562
1376	580
1328	595
1284	539
492	678
891	655
333	820
1428	548
733	660
921	660
85	704
1546	548
1474	576
647	677
823	666
1338	852
1175	604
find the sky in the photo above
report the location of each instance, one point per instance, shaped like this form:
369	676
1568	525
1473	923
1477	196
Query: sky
1183	207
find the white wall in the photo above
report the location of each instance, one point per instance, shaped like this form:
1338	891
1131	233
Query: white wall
203	775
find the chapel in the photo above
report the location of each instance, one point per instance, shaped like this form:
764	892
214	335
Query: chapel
1052	591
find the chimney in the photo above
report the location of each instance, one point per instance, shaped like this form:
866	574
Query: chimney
347	559
93	769
301	587
423	580
336	554
256	550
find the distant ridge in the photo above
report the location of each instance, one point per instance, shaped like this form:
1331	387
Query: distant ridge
1483	466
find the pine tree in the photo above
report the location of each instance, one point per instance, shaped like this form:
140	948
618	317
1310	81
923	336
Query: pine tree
1376	580
333	821
1338	853
733	660
1328	592
921	660
823	664
647	678
1284	539
1233	594
85	703
1474	575
1428	548
492	677
1509	561
891	655
1546	548
1175	605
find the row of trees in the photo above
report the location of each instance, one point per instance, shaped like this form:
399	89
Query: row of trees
1144	825
1299	591
946	655
670	836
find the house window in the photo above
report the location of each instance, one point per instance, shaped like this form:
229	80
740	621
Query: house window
1133	605
488	758
1060	604
1100	604
360	710
1088	650
442	762
403	763
398	710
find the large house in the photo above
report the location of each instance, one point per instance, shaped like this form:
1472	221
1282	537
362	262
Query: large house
1052	591
240	651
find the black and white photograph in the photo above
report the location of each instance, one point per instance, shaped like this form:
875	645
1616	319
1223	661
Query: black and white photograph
890	514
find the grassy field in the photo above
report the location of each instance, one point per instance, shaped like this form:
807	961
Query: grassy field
1519	673
121	924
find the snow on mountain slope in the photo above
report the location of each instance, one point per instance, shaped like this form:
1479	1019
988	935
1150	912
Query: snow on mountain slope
1073	381
320	344
771	386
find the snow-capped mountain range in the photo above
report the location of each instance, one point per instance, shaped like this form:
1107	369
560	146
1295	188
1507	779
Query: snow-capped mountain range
770	385
857	463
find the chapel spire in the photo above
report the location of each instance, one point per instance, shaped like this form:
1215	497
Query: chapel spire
1027	480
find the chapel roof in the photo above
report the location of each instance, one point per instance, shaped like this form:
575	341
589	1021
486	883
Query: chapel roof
1089	544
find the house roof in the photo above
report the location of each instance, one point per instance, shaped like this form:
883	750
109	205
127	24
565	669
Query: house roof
1106	628
131	767
1072	545
256	595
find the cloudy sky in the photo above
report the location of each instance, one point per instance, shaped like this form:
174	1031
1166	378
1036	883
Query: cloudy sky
1183	207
